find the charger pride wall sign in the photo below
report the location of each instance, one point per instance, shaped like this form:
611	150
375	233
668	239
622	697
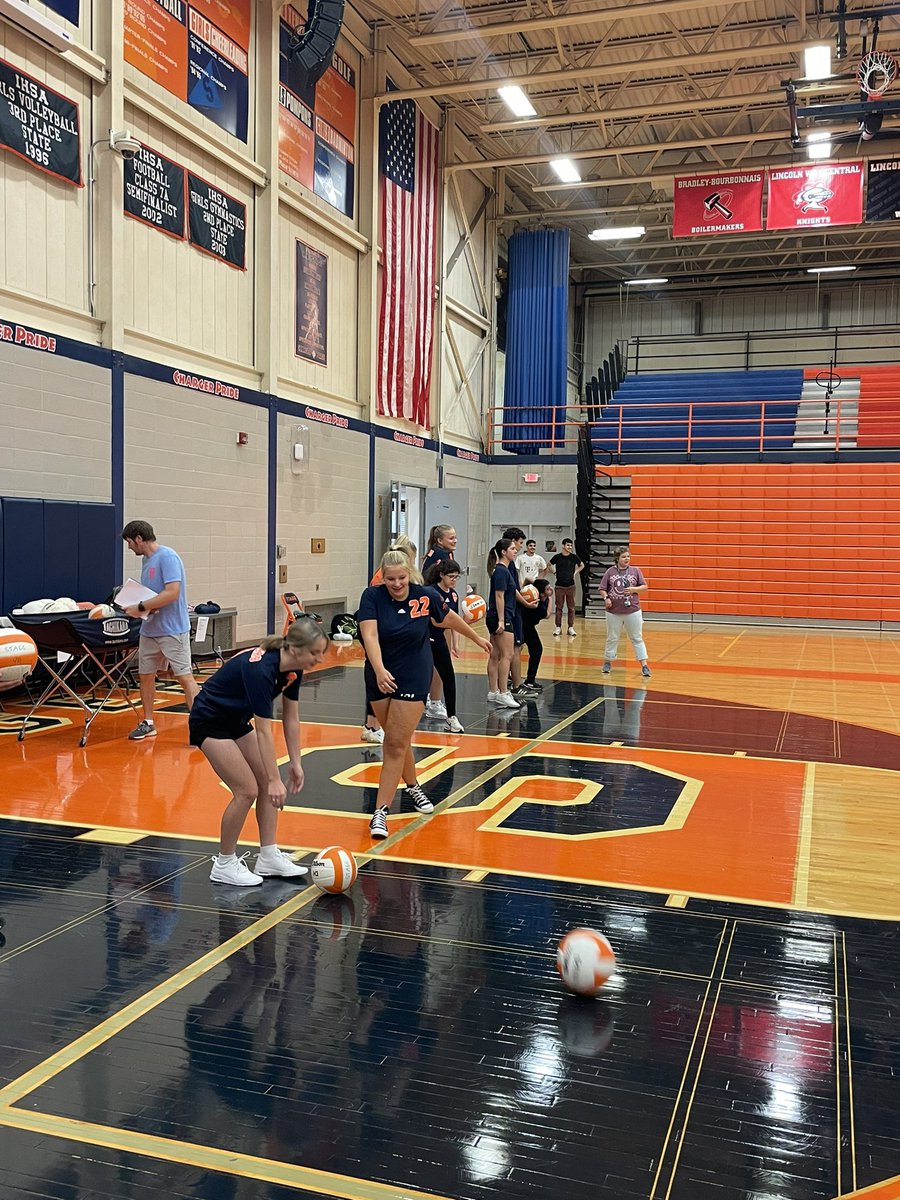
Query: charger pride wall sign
708	205
814	196
197	51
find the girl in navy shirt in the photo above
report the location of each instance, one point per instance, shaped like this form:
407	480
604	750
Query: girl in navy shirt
443	576
441	546
395	621
243	755
501	622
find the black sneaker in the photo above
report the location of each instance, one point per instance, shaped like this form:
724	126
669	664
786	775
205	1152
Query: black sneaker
534	685
419	798
378	825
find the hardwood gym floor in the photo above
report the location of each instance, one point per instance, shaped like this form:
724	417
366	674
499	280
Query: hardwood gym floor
730	826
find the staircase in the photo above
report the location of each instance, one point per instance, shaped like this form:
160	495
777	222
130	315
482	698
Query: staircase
603	520
817	418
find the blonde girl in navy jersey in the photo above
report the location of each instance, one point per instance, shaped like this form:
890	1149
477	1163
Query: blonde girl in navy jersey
395	620
441	545
243	755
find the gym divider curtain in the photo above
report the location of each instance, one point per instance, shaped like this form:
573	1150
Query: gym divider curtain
536	339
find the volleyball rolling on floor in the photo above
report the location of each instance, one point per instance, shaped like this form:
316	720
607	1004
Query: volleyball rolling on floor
724	826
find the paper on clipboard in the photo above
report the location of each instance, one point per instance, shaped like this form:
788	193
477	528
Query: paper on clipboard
132	593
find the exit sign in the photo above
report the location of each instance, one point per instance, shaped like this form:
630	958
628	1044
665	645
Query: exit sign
531	477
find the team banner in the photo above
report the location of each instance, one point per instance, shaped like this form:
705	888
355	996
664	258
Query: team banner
883	192
311	318
316	125
197	52
217	222
154	191
814	196
39	125
708	205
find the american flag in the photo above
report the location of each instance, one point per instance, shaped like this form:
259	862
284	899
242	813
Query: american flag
408	154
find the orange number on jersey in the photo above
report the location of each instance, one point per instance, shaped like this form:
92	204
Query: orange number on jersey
419	608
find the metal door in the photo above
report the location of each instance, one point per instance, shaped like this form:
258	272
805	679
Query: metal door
448	506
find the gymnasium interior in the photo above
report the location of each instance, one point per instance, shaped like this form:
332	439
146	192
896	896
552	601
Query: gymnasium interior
290	281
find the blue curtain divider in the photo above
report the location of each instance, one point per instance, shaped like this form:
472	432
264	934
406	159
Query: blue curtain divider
536	339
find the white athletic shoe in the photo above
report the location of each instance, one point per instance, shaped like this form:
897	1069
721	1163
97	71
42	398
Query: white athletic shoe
436	709
494	698
236	872
375	736
572	632
556	632
276	862
508	700
454	726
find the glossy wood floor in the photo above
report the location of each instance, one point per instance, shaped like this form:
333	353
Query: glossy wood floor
730	824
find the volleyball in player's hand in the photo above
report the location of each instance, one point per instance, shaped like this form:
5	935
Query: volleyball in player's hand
530	592
333	870
585	960
474	608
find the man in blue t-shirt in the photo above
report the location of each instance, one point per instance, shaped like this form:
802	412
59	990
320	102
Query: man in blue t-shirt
166	631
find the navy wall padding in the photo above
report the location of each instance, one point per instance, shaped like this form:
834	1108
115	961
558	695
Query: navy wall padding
53	548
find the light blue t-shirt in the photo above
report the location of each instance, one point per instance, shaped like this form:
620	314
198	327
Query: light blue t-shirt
162	567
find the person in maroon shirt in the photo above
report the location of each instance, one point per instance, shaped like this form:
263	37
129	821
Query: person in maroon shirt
621	589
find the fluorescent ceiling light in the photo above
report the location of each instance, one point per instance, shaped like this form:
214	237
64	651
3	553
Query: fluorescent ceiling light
566	170
635	282
818	145
817	62
611	234
827	270
516	101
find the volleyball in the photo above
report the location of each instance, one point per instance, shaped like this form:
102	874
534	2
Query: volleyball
99	611
333	870
530	591
475	607
18	656
585	960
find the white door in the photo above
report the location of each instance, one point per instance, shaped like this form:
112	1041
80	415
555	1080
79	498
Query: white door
448	506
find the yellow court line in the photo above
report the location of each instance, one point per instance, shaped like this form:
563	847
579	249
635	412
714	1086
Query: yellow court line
227	1162
800	894
476	876
677	900
110	837
731	643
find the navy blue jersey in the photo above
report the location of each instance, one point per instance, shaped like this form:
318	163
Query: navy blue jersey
245	687
435	554
404	628
451	604
531	616
502	580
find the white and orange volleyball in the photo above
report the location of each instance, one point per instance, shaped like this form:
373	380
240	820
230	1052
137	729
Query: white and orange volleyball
474	607
100	611
530	591
333	869
585	960
18	657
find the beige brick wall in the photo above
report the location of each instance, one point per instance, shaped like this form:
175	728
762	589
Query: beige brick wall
205	496
54	427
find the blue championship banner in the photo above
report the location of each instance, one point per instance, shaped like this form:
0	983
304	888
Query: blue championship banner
68	9
39	125
883	195
217	222
217	82
311	318
154	192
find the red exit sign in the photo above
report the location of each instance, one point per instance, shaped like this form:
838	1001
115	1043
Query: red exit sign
531	477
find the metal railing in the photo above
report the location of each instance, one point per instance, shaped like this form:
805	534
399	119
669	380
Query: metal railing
561	426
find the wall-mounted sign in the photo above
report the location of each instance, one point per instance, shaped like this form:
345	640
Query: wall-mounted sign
317	125
197	52
39	125
154	191
883	193
69	9
217	222
311	320
708	205
815	196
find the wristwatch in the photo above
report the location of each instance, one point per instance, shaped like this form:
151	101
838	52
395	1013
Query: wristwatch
141	606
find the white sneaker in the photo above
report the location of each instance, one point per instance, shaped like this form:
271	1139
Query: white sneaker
556	632
454	726
371	735
276	862
572	632
436	709
237	873
494	698
508	700
378	825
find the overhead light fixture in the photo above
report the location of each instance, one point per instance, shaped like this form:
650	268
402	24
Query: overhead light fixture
36	25
610	234
516	101
817	62
828	270
566	170
818	145
636	282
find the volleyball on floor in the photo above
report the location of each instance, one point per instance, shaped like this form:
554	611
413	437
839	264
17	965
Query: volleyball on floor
333	870
585	960
18	657
531	592
475	607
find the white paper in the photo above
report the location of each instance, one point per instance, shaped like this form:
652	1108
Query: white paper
132	593
202	626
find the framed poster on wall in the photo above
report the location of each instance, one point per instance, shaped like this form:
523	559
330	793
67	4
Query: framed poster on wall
311	316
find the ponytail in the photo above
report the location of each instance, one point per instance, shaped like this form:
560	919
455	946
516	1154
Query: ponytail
494	556
302	633
437	532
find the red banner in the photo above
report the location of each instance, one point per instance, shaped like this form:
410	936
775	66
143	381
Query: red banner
708	205
814	196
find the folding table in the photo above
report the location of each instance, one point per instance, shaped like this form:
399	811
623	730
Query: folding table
111	644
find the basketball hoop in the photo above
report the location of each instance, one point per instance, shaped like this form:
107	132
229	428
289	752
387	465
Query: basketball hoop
875	74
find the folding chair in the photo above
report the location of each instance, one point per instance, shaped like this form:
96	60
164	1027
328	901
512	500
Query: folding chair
110	644
293	608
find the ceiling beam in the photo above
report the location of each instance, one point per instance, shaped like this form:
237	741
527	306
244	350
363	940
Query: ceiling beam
687	107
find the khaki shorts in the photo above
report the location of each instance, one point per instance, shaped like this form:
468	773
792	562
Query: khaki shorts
155	653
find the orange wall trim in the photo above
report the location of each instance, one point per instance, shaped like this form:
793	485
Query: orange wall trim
816	541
